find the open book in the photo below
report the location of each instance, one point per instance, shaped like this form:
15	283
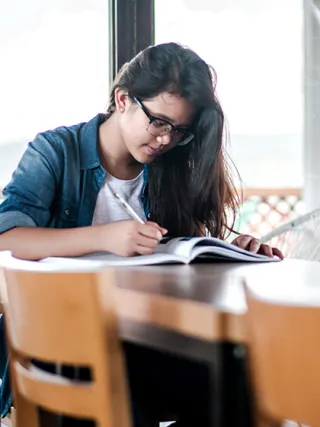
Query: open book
180	250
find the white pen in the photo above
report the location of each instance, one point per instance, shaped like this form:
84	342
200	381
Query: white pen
128	208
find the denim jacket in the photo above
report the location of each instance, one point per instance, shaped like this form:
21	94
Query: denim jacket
56	185
57	181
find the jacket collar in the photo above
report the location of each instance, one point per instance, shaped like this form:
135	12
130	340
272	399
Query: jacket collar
89	142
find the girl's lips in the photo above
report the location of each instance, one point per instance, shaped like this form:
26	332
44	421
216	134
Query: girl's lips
152	151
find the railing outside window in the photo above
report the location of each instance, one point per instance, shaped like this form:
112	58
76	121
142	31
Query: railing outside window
264	209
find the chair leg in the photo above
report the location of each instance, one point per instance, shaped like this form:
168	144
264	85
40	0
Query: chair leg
26	414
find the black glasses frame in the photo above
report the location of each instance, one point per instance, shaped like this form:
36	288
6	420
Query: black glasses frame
174	129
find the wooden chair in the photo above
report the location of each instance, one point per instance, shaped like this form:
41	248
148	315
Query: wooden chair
284	348
56	317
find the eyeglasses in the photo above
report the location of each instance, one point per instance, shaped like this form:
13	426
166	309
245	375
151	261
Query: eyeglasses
160	127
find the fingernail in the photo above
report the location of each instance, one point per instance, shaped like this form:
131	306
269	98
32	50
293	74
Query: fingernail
164	231
159	235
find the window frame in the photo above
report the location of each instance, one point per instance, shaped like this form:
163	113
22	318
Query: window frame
131	29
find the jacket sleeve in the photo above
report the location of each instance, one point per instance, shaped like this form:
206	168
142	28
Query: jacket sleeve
32	189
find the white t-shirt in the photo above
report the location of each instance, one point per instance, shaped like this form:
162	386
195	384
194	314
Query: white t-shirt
108	209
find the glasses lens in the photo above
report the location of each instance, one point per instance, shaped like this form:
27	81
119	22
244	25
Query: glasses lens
159	128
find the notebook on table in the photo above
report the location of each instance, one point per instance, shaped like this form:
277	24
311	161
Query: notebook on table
180	250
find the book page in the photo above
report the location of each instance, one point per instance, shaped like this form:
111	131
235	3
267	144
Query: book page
227	254
183	246
191	247
107	259
180	246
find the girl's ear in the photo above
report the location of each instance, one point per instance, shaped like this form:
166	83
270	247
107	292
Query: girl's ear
121	100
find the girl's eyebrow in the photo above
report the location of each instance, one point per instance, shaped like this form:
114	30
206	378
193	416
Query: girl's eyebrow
163	116
168	119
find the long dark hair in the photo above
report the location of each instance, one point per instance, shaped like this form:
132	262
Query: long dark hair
189	187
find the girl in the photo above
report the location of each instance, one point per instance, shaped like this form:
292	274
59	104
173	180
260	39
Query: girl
160	146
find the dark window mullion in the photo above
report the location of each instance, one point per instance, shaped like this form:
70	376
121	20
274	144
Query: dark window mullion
131	30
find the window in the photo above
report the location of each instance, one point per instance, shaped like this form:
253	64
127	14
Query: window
256	49
54	69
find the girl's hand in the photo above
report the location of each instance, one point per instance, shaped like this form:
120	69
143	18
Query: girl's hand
129	238
254	245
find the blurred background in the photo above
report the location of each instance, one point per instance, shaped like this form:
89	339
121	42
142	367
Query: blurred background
56	70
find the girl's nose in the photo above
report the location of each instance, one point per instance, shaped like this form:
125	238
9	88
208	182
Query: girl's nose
165	139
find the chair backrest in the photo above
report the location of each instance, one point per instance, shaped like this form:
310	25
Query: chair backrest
299	238
57	317
284	345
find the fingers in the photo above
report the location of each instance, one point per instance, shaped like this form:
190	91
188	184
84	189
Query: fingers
270	252
154	224
146	242
266	250
254	246
150	235
244	241
143	250
150	231
278	253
